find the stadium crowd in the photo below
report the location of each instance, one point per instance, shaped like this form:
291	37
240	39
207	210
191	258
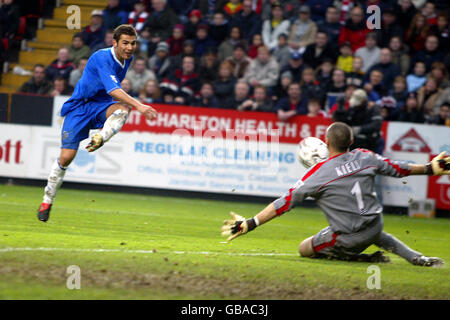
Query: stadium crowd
292	57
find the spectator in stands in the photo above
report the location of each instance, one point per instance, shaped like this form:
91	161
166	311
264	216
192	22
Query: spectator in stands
239	61
389	28
203	41
405	10
364	119
78	50
232	7
257	43
318	51
182	8
303	30
264	70
274	26
188	51
175	42
114	15
443	117
241	92
417	33
295	66
259	102
184	81
9	20
139	74
400	56
411	112
107	42
374	87
224	85
281	88
160	62
145	47
439	72
127	87
311	88
190	28
387	67
370	53
61	88
282	52
342	103
226	48
399	91
388	109
331	25
315	109
161	19
335	88
431	53
209	66
355	30
207	98
418	78
325	72
76	74
37	84
94	33
429	11
248	21
150	92
442	31
61	66
345	59
356	77
294	104
138	17
318	9
427	96
218	29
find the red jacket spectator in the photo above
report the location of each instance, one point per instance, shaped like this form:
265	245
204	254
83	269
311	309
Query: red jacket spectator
355	30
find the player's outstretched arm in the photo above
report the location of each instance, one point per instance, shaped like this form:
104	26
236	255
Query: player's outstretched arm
439	166
124	97
238	225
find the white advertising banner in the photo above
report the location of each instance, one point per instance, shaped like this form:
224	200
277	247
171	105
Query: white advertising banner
417	138
175	162
399	192
15	147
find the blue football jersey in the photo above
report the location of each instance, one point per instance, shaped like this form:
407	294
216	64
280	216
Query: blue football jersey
103	73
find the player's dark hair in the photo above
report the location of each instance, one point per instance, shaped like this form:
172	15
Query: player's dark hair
340	136
126	29
38	65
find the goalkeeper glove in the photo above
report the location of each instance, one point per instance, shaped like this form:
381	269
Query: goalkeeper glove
237	226
439	166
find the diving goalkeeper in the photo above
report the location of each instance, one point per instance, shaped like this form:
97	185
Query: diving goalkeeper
343	187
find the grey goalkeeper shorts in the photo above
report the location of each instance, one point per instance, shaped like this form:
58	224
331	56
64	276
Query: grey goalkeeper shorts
341	246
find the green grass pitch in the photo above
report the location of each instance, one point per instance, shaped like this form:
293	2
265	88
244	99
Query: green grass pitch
146	247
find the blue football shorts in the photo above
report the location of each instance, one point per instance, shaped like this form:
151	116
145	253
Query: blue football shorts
80	119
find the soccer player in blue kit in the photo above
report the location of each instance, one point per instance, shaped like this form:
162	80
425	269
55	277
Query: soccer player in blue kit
97	102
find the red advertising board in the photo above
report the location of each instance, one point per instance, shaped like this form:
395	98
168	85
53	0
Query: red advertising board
221	121
439	189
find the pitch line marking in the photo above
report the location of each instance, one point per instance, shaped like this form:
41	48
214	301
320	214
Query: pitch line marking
11	249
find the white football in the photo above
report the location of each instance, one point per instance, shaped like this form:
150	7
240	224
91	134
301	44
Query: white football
311	151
